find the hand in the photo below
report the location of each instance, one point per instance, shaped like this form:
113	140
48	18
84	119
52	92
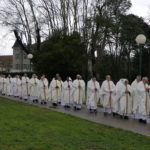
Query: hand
96	89
79	86
69	86
127	92
56	87
110	92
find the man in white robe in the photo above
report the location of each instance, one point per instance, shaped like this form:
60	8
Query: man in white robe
25	87
16	86
93	94
1	85
78	92
125	100
108	95
67	93
4	87
9	85
34	88
135	99
116	105
56	89
144	100
43	90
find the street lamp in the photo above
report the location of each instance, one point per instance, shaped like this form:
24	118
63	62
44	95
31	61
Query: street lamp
140	40
30	56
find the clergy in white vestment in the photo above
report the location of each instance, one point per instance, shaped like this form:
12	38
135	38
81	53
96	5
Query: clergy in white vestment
9	85
125	100
16	86
56	89
1	85
43	90
34	88
67	93
116	105
25	87
4	85
135	99
93	94
78	92
108	90
144	100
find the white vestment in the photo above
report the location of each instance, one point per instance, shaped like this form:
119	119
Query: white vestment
4	85
56	89
16	87
108	94
9	86
78	93
67	93
43	90
125	100
116	105
135	99
34	89
92	94
25	87
144	100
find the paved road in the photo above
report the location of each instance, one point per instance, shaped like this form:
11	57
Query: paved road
117	122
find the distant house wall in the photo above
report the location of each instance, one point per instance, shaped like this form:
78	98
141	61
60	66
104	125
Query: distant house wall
20	61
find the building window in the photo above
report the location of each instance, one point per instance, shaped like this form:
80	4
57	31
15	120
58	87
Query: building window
17	56
25	56
18	66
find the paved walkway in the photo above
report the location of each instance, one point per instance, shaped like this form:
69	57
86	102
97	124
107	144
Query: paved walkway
117	122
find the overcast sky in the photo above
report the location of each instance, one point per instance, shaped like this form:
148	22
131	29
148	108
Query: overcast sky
139	7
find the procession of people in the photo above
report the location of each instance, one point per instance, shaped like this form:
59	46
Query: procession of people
121	100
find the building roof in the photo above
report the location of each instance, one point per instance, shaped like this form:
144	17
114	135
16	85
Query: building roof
16	44
6	61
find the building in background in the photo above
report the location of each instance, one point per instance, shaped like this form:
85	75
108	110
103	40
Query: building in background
18	62
6	63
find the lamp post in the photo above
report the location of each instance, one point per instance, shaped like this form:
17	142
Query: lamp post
140	40
30	56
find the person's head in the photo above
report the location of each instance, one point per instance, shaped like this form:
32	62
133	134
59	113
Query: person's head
145	79
94	78
9	76
138	78
78	77
34	76
25	75
43	76
108	77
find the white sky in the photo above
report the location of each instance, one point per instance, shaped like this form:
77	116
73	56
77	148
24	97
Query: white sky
7	39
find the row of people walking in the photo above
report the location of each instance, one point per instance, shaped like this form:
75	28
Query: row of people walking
122	99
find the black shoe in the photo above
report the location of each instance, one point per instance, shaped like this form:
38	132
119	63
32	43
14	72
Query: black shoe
68	106
144	121
114	114
126	117
95	111
36	101
140	120
33	101
75	108
121	116
41	103
78	109
54	104
105	113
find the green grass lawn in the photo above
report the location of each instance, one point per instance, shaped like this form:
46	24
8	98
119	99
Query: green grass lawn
25	127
